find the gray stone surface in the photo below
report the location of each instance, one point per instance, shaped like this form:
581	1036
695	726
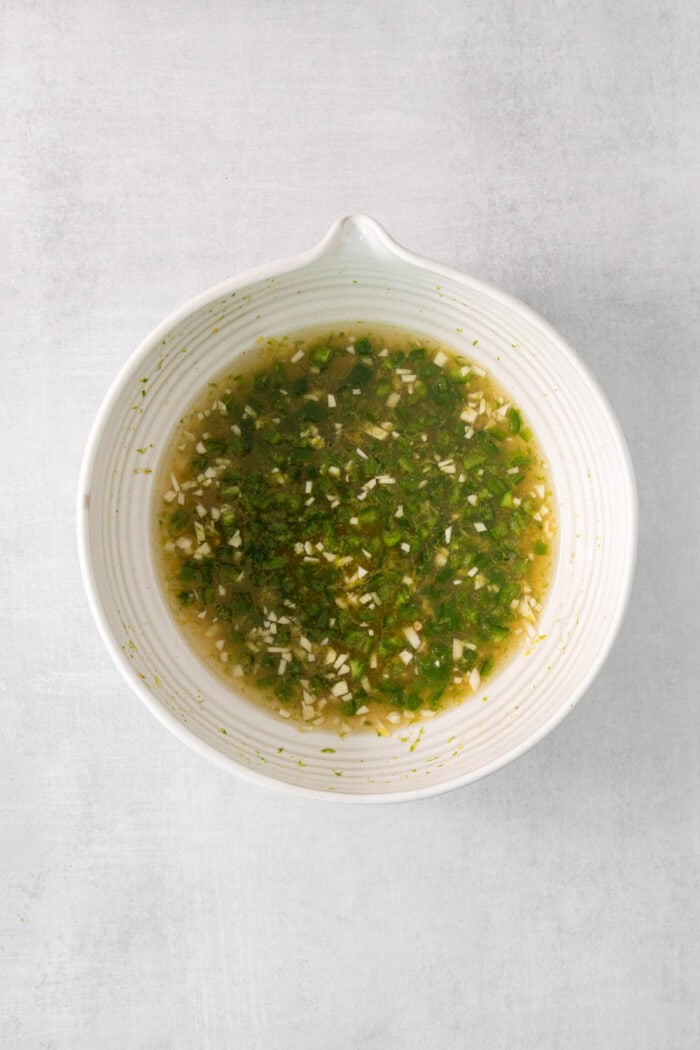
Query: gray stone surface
150	901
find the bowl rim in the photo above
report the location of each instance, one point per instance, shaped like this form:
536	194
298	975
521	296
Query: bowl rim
349	227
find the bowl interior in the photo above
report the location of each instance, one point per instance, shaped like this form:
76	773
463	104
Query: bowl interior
359	274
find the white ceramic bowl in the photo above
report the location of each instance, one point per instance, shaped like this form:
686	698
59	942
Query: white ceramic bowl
359	273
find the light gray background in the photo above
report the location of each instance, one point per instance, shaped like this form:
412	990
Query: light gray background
147	899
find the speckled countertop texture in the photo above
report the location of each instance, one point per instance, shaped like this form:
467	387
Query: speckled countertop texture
149	900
